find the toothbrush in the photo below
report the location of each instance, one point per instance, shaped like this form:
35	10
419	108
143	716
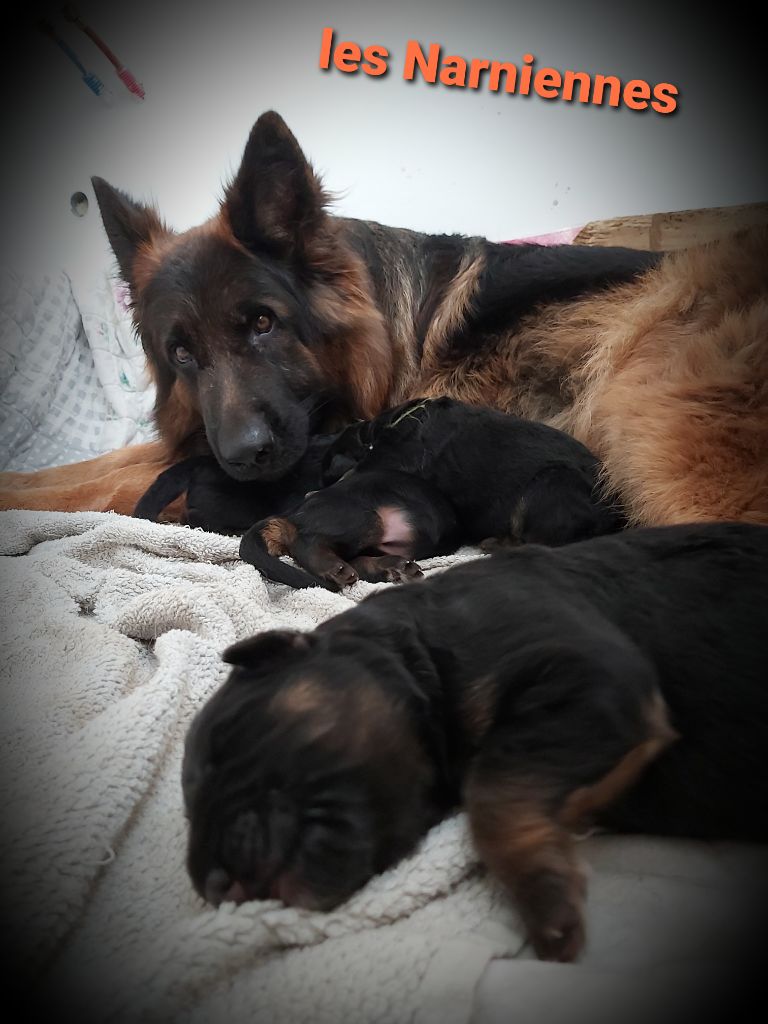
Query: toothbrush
93	82
129	81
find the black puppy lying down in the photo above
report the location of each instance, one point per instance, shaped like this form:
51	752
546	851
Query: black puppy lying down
370	525
621	680
426	477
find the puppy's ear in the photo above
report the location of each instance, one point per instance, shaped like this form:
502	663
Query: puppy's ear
337	468
255	650
129	225
276	202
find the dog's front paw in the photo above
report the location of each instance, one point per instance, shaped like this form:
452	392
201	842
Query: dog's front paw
552	907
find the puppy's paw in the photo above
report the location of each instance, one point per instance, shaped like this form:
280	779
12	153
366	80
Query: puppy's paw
399	570
491	545
551	906
387	569
342	575
406	572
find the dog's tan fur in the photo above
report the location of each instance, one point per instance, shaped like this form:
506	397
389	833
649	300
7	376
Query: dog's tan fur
665	378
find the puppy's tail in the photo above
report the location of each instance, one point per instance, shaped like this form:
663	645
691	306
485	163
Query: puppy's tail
169	485
254	549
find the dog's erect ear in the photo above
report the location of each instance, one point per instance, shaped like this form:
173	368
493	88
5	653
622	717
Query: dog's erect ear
128	224
255	650
276	203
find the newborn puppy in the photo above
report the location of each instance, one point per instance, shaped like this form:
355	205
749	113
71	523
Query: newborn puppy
608	681
371	526
510	480
423	479
217	502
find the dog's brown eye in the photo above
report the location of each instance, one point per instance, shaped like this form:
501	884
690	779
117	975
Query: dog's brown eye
182	355
263	323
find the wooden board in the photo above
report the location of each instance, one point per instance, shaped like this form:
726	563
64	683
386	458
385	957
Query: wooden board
676	230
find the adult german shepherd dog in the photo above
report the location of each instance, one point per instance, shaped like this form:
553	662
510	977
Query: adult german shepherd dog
274	320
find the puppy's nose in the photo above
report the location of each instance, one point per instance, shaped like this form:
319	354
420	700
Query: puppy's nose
220	887
248	447
217	884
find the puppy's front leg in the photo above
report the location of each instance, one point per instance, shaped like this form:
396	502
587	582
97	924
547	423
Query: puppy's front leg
520	840
580	731
318	555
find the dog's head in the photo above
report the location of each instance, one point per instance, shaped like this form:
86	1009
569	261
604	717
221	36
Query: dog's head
259	323
305	774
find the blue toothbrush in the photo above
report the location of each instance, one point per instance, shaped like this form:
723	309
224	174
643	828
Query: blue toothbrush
93	82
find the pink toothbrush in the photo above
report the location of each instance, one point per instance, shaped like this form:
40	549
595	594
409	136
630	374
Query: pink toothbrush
125	76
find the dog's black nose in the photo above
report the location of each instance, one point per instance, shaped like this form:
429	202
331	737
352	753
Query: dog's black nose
249	447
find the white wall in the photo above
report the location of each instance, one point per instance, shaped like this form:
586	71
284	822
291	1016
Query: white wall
422	156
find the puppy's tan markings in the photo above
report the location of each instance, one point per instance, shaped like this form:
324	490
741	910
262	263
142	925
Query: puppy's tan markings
367	705
309	701
523	837
532	855
513	831
584	802
478	704
301	697
278	535
306	696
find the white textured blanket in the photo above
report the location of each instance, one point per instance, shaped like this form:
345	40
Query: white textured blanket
73	376
111	635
